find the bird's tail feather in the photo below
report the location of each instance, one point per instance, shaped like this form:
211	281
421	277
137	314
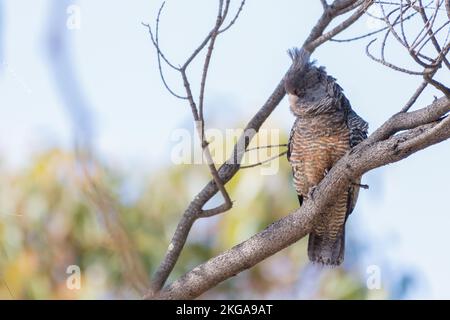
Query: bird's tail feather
326	251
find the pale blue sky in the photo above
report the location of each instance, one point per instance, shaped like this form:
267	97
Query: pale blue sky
406	209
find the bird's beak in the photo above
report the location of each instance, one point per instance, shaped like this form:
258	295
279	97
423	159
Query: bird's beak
292	99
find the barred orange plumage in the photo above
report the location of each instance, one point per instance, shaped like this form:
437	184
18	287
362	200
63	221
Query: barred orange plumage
325	129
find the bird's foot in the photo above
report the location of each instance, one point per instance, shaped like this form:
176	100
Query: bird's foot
311	192
325	172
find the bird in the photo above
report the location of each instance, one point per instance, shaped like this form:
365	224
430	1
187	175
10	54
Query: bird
326	128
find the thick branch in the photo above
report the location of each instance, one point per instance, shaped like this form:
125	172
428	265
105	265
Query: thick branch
339	28
298	224
226	172
405	121
231	167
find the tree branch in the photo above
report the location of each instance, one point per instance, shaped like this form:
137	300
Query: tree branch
232	166
264	161
332	13
390	143
288	230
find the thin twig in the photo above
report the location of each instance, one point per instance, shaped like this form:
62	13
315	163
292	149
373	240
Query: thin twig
390	65
267	147
231	167
447	7
403	41
198	114
209	275
160	54
430	29
214	33
339	28
371	33
433	36
438	85
265	161
418	40
402	26
233	21
298	224
415	96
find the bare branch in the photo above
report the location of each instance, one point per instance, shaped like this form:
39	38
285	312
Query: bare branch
160	54
373	32
155	39
265	161
447	7
403	41
431	65
231	167
339	28
226	172
198	117
276	237
267	147
388	64
340	5
408	120
197	113
209	36
433	36
415	96
325	19
423	127
324	4
214	34
286	231
236	16
430	22
438	85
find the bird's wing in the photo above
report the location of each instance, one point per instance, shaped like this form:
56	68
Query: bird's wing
358	128
290	141
353	192
289	151
358	132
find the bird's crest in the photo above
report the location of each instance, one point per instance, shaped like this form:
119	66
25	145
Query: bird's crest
300	65
300	57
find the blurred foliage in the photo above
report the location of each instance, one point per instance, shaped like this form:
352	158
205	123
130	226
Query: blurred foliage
47	224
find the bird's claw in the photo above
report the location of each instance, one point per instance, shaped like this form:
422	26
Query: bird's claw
311	192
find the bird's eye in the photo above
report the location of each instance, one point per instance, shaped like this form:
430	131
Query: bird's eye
299	92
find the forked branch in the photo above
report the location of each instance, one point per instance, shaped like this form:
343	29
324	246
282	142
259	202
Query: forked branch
231	167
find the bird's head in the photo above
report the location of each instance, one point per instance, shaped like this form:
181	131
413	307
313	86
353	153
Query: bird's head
306	85
294	81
